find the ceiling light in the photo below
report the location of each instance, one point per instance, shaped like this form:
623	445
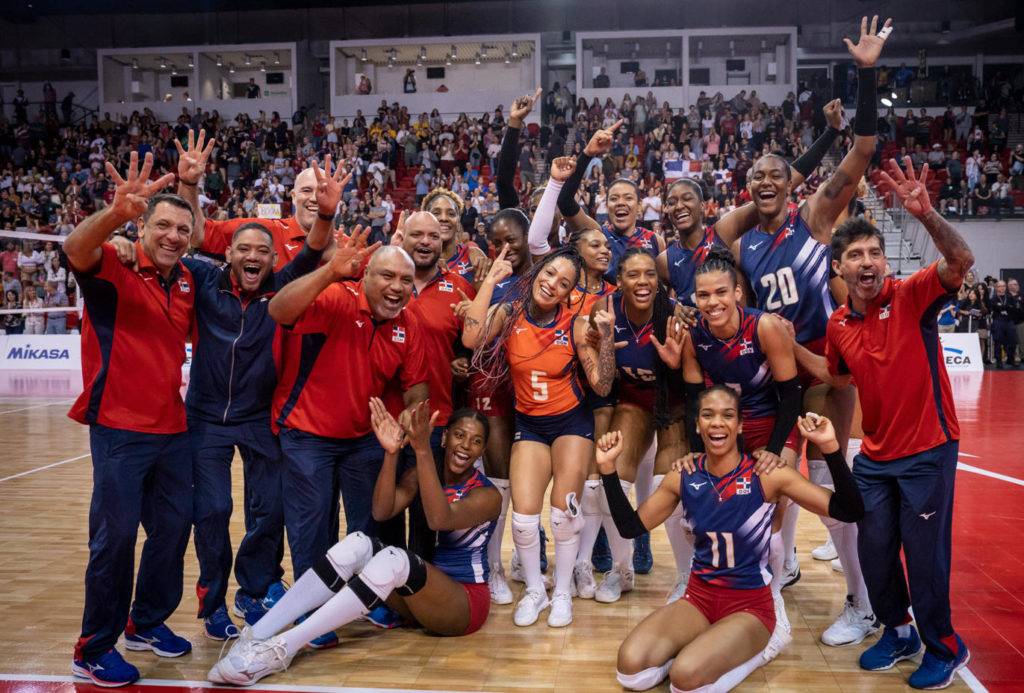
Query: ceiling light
477	58
191	61
423	53
163	63
277	59
453	53
508	59
886	102
174	70
220	61
135	63
515	50
363	56
231	68
248	61
263	66
894	97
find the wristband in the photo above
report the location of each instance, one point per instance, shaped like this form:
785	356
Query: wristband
809	160
325	217
182	181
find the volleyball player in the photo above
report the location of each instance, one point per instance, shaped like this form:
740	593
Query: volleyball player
466	259
785	257
720	631
537	341
447	596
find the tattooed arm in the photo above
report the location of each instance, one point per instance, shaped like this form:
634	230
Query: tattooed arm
598	363
824	207
957	257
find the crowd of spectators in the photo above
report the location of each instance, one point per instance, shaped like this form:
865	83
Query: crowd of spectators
994	310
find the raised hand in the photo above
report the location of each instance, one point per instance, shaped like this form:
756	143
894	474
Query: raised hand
351	251
192	160
834	114
132	194
329	186
388	432
420	424
604	323
671	352
817	429
462	306
601	143
501	269
911	190
398	237
869	46
562	168
609	447
522	106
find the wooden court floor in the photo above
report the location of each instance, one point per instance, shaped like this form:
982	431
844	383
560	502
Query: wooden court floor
45	481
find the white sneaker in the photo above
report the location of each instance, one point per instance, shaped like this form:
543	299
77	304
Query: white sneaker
500	592
561	610
615	582
783	633
529	607
583	580
251	660
679	590
790	571
853	625
825	552
837	565
515	572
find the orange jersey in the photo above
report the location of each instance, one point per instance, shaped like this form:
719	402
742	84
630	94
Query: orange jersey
542	365
589	299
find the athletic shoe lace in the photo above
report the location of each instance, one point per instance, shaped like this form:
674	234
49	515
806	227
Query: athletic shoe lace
257	653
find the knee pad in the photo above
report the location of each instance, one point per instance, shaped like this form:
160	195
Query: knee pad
345	559
590	504
383	574
564	526
643	680
526	530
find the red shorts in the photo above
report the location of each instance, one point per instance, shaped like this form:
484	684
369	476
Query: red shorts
488	400
479	596
806	379
716	602
758	431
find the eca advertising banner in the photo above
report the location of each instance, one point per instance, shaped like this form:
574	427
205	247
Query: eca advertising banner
961	351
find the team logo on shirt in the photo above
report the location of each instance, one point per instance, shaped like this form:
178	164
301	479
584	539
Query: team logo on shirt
743	486
884	313
398	335
446	286
183	286
746	347
561	338
705	347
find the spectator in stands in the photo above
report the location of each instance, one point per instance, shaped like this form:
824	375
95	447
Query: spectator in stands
35	323
962	123
1013	290
936	157
9	257
12	323
993	166
973	170
1006	312
54	297
252	90
55	272
1002	199
30	261
947	316
602	81
409	81
955	168
982	203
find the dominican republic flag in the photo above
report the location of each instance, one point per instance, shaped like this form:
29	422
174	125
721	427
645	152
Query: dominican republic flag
398	335
561	338
674	169
445	286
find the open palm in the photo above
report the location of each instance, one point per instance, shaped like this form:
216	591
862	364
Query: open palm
869	46
192	160
911	190
132	194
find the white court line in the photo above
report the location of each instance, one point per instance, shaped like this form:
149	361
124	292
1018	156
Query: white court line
46	466
37	406
207	684
977	470
968	677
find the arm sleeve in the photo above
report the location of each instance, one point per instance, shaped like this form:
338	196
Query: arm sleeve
567	203
810	159
865	123
846	503
627	520
507	159
789	409
305	262
692	391
545	214
334	302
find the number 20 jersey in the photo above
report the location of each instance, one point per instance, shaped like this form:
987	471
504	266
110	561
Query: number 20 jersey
789	271
731	523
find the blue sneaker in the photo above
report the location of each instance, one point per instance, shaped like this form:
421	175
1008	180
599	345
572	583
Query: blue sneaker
601	558
108	670
160	639
219	625
889	649
939	673
274	594
385	617
643	561
320	642
249	608
543	550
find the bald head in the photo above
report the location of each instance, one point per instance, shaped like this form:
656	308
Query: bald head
422	241
304	198
388	281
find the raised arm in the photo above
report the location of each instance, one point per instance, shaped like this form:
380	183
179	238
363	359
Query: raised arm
509	155
131	196
599	145
389	497
191	166
562	169
598	363
653	511
482	321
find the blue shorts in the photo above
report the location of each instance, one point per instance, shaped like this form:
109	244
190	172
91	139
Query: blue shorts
546	429
592	400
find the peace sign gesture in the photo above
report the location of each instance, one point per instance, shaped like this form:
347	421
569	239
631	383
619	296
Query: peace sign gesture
521	108
132	194
501	269
601	143
869	46
192	161
912	191
329	186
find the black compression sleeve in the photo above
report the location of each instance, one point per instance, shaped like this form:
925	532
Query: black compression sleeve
865	123
846	504
627	521
567	203
692	392
789	409
809	160
506	174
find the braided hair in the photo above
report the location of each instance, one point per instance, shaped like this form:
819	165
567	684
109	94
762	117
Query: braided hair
718	260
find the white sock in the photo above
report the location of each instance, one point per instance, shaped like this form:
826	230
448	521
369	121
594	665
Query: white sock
729	680
621	549
590	505
679	537
494	546
643	680
565	528
788	531
777	560
644	484
343	607
845	541
903	631
526	537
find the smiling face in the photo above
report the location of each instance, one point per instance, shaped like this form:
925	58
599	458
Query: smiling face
594	248
623	206
718	422
304	199
464	442
683	208
447	214
716	296
505	231
165	235
863	267
769	185
638	279
251	257
422	240
554	283
388	284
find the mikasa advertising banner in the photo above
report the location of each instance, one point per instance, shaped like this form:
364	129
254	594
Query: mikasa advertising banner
40	352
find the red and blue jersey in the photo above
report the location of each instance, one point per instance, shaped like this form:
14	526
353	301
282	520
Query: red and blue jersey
461	263
731	523
619	243
789	271
683	264
461	554
738	362
893	352
636	361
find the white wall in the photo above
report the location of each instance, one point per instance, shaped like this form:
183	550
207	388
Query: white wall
388	83
996	245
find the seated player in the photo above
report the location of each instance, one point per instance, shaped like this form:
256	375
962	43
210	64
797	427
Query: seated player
446	597
721	630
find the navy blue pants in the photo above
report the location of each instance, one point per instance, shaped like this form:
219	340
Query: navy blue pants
261	550
1004	338
136	477
908	504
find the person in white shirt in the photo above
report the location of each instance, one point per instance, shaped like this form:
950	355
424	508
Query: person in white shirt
652	206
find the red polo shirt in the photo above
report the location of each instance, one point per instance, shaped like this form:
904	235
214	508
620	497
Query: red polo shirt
133	345
288	236
440	330
346	358
894	354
